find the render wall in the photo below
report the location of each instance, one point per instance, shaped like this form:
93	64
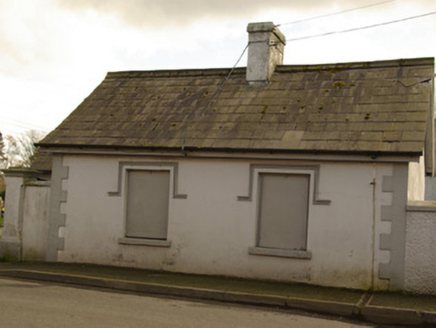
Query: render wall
25	232
35	221
10	243
420	248
211	230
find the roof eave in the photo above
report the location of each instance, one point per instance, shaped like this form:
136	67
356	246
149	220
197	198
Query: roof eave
366	153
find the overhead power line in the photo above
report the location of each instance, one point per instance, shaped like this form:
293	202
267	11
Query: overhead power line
336	13
23	125
361	28
225	80
218	91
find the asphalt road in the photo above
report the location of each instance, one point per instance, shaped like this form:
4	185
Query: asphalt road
28	304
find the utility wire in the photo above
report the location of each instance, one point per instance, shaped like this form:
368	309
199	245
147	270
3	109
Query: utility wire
22	124
228	76
216	93
336	13
361	28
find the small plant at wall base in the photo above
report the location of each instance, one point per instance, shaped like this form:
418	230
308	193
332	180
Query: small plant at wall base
8	259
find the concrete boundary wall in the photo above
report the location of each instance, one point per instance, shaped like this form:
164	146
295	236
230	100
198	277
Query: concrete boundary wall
420	257
36	202
25	231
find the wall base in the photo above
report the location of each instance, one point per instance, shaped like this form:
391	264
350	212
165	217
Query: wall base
10	250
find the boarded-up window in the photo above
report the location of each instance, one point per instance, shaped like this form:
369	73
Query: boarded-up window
283	210
147	203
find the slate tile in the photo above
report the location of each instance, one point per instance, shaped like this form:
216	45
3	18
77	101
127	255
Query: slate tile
360	106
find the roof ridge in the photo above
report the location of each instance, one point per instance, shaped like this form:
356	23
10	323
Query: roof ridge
280	68
177	72
358	65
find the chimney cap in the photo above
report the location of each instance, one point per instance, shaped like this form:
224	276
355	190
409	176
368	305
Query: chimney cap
266	27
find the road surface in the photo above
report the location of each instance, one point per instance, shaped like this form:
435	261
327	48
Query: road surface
30	304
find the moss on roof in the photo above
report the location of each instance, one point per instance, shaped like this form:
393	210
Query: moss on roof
359	107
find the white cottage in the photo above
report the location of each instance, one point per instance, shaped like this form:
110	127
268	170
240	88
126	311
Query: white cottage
283	172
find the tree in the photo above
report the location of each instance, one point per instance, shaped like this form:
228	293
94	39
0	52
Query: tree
2	154
17	151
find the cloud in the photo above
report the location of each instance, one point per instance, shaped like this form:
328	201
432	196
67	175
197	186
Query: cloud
160	13
53	52
29	37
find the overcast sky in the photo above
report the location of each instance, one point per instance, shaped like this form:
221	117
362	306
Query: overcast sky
53	53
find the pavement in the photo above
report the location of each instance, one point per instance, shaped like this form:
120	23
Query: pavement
383	308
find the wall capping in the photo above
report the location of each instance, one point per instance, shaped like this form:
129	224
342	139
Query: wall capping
37	183
421	206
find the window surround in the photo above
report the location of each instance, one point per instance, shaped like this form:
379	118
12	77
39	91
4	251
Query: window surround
173	167
144	242
253	193
123	168
255	169
280	252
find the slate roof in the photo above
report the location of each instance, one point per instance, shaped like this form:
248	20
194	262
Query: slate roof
42	162
365	107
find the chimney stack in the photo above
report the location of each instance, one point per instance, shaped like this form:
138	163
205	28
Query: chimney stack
265	51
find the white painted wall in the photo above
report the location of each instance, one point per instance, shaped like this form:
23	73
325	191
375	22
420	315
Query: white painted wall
420	275
11	231
211	230
24	235
35	221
